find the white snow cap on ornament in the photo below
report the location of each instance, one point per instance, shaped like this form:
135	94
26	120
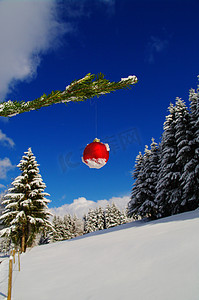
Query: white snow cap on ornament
133	78
107	147
95	163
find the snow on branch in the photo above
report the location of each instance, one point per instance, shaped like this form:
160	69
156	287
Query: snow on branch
79	90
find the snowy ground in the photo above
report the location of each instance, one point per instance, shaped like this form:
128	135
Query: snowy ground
146	261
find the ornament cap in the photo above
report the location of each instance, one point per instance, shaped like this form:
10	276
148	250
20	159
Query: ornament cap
96	140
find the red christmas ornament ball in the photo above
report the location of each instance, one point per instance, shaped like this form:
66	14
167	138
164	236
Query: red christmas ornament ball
96	154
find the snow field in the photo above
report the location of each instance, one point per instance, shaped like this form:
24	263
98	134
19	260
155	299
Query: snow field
153	261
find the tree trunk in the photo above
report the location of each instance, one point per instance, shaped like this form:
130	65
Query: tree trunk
23	246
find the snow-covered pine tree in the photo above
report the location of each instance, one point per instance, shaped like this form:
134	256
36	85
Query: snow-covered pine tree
190	176
71	226
1	211
45	237
168	191
175	153
5	245
91	221
184	140
84	219
26	211
2	207
5	242
119	216
107	214
123	217
154	162
136	200
78	226
100	218
112	216
144	188
57	233
143	193
150	169
68	227
194	105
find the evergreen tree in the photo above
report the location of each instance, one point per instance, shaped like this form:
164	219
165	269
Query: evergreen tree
70	226
112	216
2	208
145	192
57	233
26	211
100	218
150	169
136	199
119	217
5	245
142	202
66	228
91	221
5	242
175	153
45	237
123	218
1	211
154	169
85	223
79	226
107	215
184	140
190	175
168	177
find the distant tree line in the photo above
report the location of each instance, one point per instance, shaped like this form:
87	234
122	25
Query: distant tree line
65	228
167	175
100	218
69	227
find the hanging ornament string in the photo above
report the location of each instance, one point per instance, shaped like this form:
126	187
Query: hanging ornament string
96	154
96	119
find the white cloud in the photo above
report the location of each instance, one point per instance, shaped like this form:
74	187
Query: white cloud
155	45
5	166
6	140
80	206
28	29
2	186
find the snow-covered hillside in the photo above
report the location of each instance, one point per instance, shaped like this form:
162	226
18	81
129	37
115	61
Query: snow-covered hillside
145	261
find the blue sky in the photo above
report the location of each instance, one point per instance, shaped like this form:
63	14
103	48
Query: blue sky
48	44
